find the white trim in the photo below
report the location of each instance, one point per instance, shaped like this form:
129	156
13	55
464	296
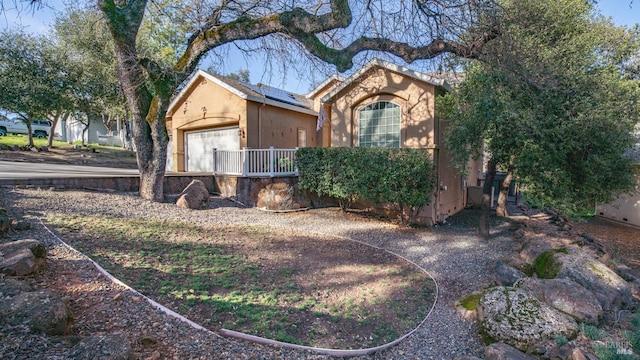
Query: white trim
375	62
266	100
324	84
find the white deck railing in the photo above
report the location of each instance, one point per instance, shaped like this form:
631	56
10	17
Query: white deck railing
255	162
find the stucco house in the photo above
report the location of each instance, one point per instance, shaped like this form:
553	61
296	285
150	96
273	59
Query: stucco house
626	208
217	112
381	104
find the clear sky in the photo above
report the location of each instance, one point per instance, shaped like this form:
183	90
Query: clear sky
623	12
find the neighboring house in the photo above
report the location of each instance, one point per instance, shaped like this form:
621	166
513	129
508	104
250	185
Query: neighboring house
216	112
72	129
626	208
382	104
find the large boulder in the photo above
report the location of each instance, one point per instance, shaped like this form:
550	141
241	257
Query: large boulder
102	347
22	257
566	296
502	351
12	287
42	311
280	196
514	316
534	246
612	291
506	275
537	244
194	196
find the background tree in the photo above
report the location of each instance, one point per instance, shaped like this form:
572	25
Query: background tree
327	31
83	35
37	79
70	71
551	104
241	75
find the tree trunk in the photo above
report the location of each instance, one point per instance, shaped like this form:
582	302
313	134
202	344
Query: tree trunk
29	132
145	134
485	210
501	210
151	140
54	123
85	130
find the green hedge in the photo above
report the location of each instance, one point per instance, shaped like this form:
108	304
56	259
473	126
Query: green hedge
402	177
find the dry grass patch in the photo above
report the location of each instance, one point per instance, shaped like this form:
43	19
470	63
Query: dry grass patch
311	290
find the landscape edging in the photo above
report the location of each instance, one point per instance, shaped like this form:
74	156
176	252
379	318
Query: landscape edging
261	340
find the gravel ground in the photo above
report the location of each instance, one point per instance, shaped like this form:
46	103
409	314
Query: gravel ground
454	256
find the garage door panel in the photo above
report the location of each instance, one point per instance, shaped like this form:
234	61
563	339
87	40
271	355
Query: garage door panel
199	147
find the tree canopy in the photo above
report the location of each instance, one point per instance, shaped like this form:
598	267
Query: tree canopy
335	32
69	71
551	98
36	78
83	35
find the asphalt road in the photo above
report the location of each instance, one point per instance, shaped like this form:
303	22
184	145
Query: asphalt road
25	170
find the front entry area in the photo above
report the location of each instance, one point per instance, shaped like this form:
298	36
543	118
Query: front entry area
199	147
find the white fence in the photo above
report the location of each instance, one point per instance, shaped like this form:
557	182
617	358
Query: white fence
255	162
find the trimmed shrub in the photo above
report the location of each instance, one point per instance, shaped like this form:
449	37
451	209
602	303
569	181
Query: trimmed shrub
402	177
407	182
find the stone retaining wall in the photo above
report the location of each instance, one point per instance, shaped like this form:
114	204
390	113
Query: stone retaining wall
173	184
269	193
277	193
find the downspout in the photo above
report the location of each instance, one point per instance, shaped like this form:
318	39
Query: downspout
436	158
264	102
436	204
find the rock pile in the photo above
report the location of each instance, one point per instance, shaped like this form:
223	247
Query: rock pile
550	289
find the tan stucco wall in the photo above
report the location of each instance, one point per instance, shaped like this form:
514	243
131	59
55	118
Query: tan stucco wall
625	209
272	126
320	93
416	99
324	135
450	193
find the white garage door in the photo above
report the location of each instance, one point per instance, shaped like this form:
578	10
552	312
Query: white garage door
199	147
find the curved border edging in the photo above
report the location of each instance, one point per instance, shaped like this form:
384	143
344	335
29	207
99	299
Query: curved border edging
136	292
264	341
342	352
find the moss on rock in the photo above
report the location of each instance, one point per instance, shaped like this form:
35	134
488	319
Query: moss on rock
470	302
546	266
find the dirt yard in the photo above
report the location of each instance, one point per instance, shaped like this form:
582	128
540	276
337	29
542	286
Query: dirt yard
619	239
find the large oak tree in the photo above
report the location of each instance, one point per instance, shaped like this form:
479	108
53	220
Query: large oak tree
335	32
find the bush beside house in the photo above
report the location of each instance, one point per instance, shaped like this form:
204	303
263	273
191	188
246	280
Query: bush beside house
404	178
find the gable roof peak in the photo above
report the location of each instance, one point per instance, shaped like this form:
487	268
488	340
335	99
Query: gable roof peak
379	63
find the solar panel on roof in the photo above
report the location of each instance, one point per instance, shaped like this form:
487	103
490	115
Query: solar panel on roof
275	94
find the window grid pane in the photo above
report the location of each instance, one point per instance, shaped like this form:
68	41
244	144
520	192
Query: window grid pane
379	125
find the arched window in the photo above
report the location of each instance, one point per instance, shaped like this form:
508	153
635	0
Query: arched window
379	125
